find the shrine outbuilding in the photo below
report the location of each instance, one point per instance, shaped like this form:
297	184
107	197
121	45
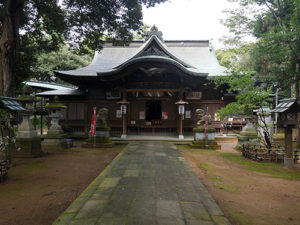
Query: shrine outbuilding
150	75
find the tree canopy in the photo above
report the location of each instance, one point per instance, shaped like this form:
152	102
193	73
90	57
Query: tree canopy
62	59
30	26
275	24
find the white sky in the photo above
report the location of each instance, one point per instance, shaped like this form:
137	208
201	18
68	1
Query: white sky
189	19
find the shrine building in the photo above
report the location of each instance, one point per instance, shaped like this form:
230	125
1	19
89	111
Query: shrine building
151	76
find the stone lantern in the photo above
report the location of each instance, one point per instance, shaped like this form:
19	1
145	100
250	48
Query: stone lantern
27	138
55	136
288	110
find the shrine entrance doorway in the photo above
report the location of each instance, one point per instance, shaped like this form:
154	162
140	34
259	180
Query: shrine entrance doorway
153	110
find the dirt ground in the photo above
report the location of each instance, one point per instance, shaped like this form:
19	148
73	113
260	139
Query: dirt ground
248	192
39	190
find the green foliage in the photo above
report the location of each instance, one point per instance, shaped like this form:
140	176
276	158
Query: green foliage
37	122
238	57
46	24
7	135
276	27
140	34
63	59
250	95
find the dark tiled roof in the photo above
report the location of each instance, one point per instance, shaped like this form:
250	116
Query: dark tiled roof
284	105
194	57
11	104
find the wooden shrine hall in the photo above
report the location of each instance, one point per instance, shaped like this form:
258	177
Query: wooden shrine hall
150	76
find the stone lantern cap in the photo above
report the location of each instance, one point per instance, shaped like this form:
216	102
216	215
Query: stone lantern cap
55	105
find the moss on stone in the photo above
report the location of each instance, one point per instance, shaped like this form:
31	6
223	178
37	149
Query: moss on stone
202	129
55	105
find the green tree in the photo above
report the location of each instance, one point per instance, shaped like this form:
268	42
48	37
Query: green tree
238	57
250	93
63	59
276	26
44	24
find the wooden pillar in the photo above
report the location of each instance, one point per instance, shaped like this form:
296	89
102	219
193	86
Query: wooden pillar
288	158
180	126
124	110
86	118
124	125
298	131
42	110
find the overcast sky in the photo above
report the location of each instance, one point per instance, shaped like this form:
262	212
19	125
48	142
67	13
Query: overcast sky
189	19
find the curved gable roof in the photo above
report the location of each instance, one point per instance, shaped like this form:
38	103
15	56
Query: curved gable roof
195	57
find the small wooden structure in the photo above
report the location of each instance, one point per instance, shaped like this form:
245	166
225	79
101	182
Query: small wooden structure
288	110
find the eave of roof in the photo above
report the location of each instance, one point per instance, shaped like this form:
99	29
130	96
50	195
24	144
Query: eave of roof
284	105
61	92
190	71
47	85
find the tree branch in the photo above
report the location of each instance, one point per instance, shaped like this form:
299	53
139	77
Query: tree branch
282	26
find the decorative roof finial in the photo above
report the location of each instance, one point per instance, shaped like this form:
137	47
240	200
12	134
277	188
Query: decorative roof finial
154	31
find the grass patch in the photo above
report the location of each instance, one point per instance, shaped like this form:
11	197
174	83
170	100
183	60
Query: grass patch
275	169
205	166
229	188
278	135
183	147
37	165
217	180
210	173
239	217
188	149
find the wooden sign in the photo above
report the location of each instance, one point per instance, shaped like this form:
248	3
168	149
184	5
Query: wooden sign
118	113
142	115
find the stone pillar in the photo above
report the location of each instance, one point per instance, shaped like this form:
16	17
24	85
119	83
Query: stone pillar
288	158
27	139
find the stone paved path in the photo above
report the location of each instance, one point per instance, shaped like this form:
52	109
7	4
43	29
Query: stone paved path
148	183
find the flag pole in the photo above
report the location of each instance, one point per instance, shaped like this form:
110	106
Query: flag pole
95	129
93	126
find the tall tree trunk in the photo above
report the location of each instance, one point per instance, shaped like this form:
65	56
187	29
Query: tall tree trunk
8	45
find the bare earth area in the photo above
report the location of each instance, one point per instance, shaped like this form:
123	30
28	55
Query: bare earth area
248	192
39	190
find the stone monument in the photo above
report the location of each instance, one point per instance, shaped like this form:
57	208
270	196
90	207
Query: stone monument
101	139
248	135
204	139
